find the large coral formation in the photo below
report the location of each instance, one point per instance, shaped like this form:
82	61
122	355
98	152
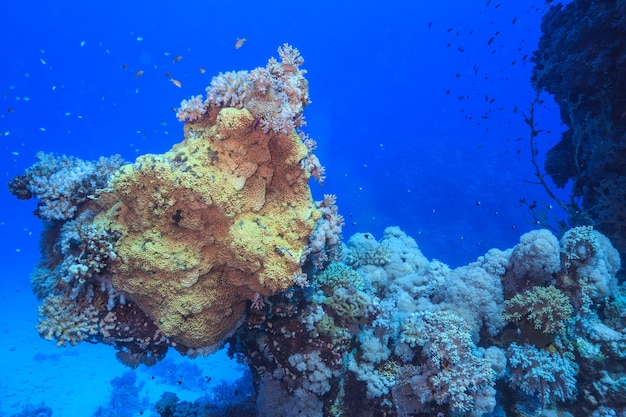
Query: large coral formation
416	338
169	250
224	215
219	239
580	60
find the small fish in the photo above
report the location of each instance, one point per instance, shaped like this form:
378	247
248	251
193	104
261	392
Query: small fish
177	58
202	70
240	42
139	74
176	82
124	66
10	110
168	74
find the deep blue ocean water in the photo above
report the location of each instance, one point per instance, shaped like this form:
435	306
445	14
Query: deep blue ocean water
416	108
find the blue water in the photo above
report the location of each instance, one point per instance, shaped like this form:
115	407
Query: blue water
416	108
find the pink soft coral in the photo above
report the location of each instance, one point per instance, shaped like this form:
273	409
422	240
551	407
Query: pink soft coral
274	95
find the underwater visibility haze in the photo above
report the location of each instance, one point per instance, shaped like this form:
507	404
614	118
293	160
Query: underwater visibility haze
313	209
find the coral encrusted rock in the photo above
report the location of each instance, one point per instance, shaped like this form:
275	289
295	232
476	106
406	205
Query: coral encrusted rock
223	216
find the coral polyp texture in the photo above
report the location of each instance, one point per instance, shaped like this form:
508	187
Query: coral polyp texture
224	215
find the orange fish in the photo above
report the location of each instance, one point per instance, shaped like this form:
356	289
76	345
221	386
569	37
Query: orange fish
177	58
139	74
176	82
240	42
202	70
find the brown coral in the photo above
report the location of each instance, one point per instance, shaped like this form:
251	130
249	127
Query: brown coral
223	215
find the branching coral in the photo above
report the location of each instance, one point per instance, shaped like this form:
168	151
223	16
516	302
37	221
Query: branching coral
537	372
80	251
325	243
338	274
547	308
66	321
580	62
453	374
274	95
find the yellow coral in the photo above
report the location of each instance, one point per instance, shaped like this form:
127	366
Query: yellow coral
205	226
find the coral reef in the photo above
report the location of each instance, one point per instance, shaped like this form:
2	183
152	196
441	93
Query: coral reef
170	250
580	61
219	240
404	336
